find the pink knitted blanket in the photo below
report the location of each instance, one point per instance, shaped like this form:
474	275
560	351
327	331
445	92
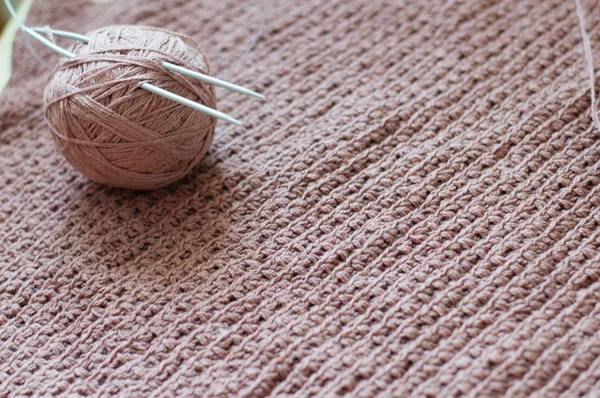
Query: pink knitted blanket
414	211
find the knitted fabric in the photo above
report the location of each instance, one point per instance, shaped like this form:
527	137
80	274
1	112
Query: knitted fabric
414	210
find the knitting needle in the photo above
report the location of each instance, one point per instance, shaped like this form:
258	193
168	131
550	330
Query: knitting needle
211	80
49	44
168	66
189	103
146	86
63	33
34	34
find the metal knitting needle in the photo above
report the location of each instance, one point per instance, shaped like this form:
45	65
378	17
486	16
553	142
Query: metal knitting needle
189	103
167	65
63	33
146	86
211	80
48	43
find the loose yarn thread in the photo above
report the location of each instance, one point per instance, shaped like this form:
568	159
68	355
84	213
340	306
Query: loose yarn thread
587	49
257	35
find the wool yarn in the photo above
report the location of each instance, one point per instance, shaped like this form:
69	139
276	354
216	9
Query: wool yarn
116	133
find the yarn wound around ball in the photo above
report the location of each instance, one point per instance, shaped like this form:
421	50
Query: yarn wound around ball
114	132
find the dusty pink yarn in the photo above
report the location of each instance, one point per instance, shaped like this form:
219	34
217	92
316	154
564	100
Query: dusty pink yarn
116	133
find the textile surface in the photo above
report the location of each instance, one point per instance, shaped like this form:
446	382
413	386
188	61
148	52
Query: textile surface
414	210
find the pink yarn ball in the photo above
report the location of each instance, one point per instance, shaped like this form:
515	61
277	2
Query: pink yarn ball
116	133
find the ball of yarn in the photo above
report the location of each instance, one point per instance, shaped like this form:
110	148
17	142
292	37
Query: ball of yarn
115	132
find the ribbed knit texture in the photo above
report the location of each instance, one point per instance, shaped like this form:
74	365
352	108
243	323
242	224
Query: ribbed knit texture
415	210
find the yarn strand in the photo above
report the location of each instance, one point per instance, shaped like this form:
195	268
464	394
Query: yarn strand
258	34
587	49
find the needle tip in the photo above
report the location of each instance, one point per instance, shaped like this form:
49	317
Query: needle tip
232	120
